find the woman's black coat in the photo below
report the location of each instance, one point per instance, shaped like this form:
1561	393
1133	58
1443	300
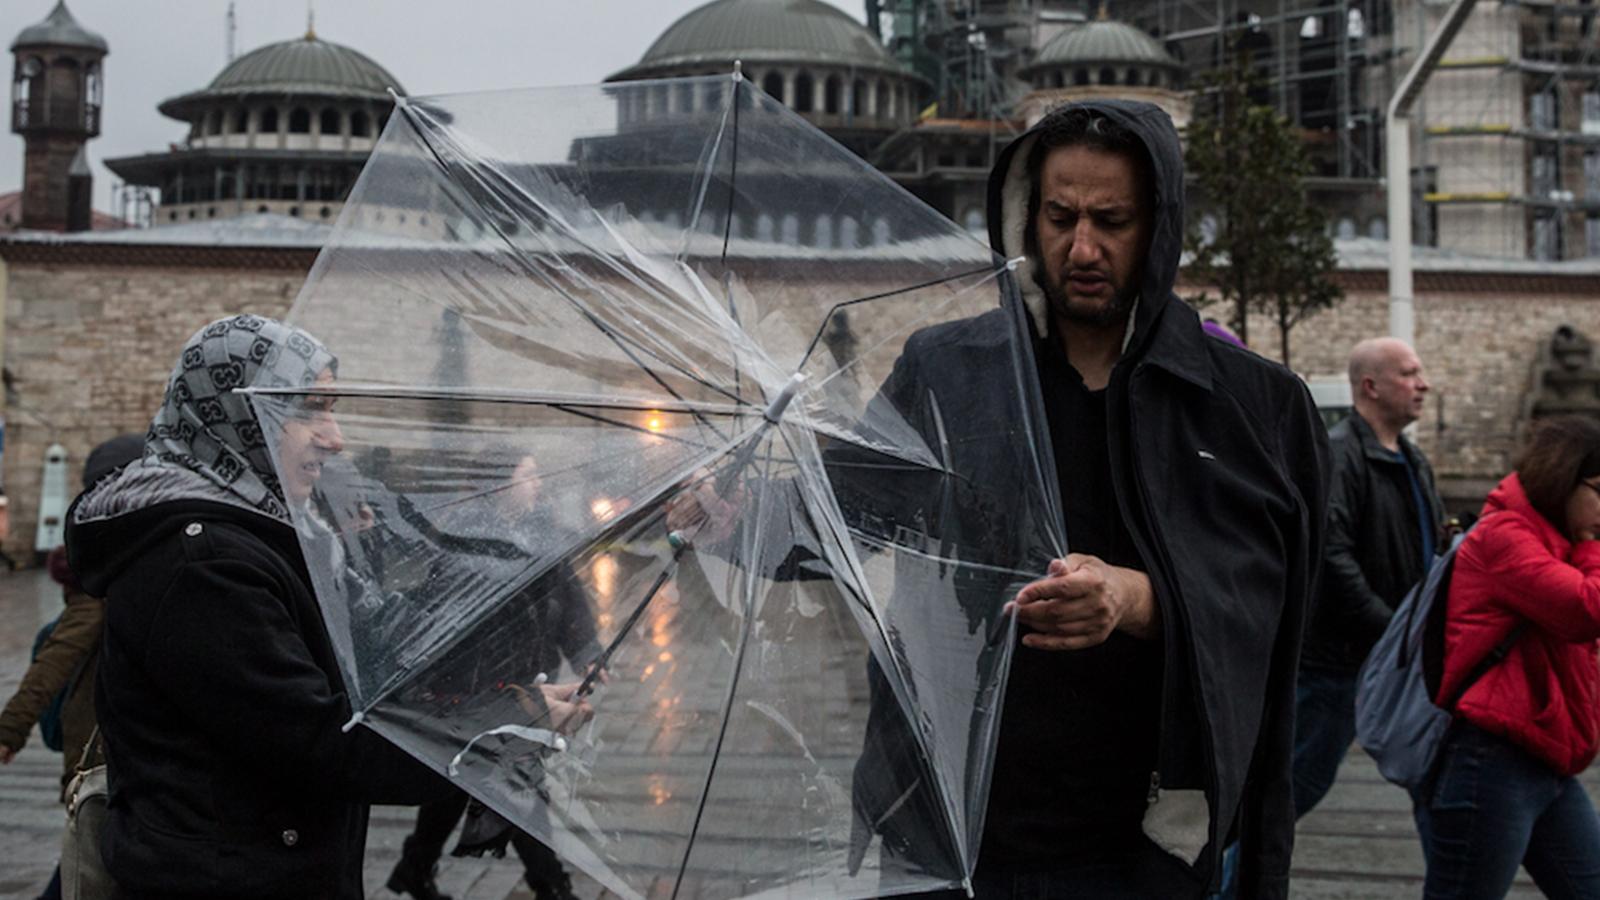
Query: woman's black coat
222	708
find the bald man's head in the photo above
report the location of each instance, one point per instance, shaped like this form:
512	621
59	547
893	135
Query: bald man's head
1386	383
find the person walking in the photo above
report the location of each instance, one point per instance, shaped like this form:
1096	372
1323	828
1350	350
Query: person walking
65	663
1504	790
1385	525
552	606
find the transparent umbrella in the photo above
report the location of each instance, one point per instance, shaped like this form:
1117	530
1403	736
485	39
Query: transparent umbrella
655	389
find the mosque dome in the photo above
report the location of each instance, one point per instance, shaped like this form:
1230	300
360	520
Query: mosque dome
1104	42
59	29
762	31
307	66
1103	52
284	129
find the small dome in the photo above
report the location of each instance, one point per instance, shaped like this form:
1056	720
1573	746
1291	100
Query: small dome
766	31
305	66
59	29
1103	42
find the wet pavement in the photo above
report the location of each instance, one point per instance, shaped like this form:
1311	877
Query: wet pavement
1358	844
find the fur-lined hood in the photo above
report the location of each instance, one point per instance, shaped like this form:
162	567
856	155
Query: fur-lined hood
1010	188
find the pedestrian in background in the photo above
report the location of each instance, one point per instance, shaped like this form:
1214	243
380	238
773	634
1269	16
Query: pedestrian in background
64	666
1504	790
1385	526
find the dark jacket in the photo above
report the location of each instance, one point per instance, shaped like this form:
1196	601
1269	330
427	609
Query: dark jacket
66	662
1220	467
221	707
1374	552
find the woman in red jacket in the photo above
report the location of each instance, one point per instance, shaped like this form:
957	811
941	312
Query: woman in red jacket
1505	792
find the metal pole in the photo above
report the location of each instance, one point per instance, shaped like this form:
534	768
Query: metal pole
1397	133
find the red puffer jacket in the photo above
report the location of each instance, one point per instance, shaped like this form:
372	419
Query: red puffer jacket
1545	695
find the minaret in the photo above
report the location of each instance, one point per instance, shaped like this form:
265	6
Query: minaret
55	105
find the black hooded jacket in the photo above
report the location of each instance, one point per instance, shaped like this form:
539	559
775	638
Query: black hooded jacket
1219	463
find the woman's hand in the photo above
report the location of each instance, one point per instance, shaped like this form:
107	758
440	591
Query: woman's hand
557	706
699	513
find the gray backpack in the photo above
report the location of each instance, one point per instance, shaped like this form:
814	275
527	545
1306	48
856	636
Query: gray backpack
1397	722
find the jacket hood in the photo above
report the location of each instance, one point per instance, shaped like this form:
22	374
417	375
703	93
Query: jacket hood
111	524
1509	496
1010	188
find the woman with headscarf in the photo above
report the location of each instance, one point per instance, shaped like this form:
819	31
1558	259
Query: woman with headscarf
220	701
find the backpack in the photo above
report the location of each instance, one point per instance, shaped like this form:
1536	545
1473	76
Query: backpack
1397	722
50	719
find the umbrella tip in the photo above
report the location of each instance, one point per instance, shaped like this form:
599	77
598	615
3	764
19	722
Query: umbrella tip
354	721
398	98
1013	263
738	69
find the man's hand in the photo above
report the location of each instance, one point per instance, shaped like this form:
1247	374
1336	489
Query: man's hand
1081	601
6	755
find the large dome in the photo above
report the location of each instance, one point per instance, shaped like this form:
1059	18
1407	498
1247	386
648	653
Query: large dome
1104	42
305	66
766	31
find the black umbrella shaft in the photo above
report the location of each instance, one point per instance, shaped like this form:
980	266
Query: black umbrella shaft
587	686
680	543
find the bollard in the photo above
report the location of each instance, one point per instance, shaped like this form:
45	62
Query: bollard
53	499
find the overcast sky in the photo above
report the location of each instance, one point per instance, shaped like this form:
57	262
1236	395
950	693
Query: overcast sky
162	48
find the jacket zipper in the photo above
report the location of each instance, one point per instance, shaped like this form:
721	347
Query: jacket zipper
1168	626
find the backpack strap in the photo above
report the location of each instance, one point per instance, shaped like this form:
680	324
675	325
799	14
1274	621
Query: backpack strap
1489	661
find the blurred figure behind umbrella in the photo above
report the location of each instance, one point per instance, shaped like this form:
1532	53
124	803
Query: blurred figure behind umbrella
562	627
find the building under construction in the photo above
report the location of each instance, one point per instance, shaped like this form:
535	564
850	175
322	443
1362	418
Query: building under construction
1507	136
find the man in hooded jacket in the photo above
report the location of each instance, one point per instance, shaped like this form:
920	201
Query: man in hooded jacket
1149	711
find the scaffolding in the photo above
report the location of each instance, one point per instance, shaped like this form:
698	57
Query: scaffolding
1506	138
1517	129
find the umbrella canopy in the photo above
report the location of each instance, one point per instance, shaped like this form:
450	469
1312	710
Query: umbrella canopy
561	314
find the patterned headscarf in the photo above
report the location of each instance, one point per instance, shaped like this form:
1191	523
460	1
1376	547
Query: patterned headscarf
204	426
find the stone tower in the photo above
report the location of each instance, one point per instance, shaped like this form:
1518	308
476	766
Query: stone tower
55	105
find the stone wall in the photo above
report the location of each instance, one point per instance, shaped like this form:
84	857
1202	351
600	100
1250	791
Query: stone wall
1478	338
90	338
88	350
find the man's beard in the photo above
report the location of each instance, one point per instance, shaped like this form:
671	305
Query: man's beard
1061	306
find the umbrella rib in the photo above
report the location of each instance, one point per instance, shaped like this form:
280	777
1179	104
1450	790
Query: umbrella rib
506	396
733	170
704	185
816	338
621	342
896	684
733	689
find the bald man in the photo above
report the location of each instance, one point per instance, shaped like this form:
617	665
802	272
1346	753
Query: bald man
1384	529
